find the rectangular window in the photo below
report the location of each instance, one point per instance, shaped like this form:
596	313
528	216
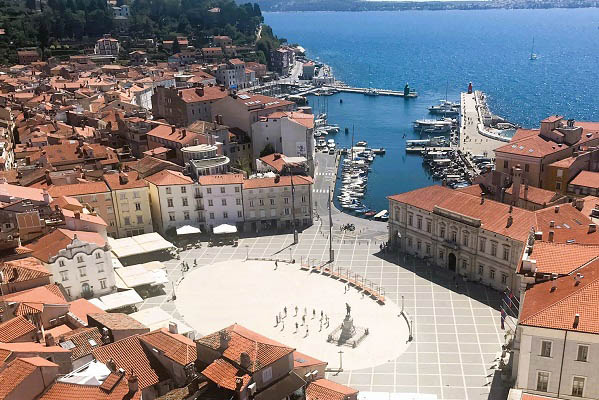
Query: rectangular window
442	232
558	186
272	202
506	253
171	216
429	226
482	244
210	203
123	196
505	164
224	202
526	168
222	189
418	245
303	199
137	207
542	381
100	267
64	275
82	272
140	219
183	189
109	210
261	201
492	274
286	201
184	202
238	202
286	211
225	214
79	259
465	239
98	255
454	236
186	215
441	255
127	221
583	353
168	190
428	249
546	348
578	386
102	283
410	219
251	203
61	263
136	195
419	223
504	279
409	241
211	215
481	269
494	249
209	190
169	202
236	189
239	214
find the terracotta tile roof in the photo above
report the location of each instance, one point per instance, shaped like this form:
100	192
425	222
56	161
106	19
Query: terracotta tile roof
304	360
39	295
58	330
29	309
565	163
78	189
224	374
586	179
493	215
209	93
534	194
323	389
569	225
528	396
556	309
115	321
49	245
15	328
82	307
129	354
562	258
71	391
255	183
183	136
176	347
66	201
306	120
31	347
258	102
15	373
84	339
262	350
92	219
168	177
21	192
133	181
227	179
24	269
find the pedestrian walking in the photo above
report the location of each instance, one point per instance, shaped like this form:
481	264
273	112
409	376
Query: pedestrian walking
313	313
283	327
303	320
295	311
276	264
276	320
320	329
285	310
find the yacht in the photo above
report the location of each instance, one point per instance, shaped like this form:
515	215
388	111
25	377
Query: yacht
331	143
445	108
433	125
371	92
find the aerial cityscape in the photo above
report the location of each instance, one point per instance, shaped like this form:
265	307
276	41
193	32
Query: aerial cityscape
203	200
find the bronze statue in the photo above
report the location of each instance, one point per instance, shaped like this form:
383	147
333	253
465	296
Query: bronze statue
348	310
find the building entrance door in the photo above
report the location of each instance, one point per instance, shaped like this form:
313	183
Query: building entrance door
452	262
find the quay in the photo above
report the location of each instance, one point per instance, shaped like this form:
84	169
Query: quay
422	149
381	92
474	138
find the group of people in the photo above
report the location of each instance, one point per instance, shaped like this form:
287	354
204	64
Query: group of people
324	321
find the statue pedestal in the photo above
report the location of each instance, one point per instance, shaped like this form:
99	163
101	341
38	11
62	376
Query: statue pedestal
347	328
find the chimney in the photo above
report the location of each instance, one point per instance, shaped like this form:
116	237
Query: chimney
77	215
244	360
46	196
576	320
123	178
277	156
551	233
224	340
482	198
200	91
238	383
579	204
49	340
556	208
517	181
510	221
219	119
47	174
173	129
592	228
105	336
111	365
133	383
183	133
172	327
526	191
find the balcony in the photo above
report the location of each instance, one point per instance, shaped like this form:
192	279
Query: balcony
197	196
451	244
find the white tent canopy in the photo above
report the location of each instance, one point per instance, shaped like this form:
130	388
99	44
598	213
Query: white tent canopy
92	373
117	300
224	228
188	230
141	244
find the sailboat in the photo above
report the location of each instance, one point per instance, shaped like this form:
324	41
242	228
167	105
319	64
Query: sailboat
533	55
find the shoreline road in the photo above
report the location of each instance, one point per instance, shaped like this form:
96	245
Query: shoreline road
470	138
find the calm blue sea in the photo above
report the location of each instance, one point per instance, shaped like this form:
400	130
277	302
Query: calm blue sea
435	50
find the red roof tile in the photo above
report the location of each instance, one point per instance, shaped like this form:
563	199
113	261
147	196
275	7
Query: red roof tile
84	339
556	308
562	258
227	179
49	245
323	389
224	374
132	181
82	307
176	347
15	373
587	179
24	269
78	189
71	391
255	183
168	177
261	350
15	328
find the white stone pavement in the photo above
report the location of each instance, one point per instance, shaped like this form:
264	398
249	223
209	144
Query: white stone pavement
252	293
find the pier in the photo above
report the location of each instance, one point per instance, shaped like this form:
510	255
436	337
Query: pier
381	92
471	123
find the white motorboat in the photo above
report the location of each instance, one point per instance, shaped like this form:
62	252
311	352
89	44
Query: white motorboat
331	128
361	143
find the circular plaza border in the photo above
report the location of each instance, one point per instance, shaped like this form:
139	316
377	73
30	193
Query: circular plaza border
253	293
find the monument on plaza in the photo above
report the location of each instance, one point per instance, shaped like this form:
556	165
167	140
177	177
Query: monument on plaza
347	333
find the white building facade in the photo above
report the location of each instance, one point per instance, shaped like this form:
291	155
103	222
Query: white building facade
222	200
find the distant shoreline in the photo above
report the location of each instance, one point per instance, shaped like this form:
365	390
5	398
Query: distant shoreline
391	5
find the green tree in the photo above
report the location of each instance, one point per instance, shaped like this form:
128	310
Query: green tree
267	150
176	46
43	36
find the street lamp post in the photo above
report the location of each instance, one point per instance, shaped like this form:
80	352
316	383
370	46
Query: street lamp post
331	251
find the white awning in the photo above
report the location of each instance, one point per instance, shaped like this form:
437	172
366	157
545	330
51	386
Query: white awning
141	244
224	228
156	318
98	303
151	273
118	300
188	230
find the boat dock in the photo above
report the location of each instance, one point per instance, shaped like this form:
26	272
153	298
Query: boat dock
421	149
381	92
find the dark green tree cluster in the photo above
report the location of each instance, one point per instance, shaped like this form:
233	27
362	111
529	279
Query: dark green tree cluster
267	42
